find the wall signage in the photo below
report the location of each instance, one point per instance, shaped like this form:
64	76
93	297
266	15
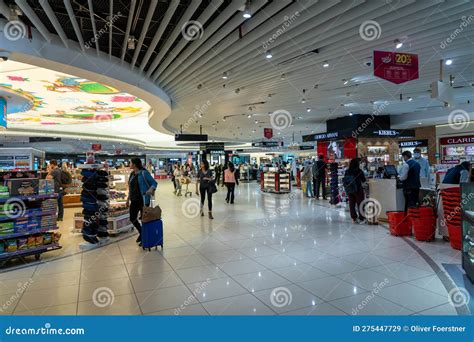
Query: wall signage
268	133
413	143
461	140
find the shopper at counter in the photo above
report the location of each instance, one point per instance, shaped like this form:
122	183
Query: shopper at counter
55	175
356	196
410	177
319	176
461	173
424	164
141	187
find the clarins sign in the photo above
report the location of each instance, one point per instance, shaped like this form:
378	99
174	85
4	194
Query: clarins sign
461	140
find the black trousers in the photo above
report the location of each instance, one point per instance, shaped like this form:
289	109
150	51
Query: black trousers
135	210
230	192
203	191
412	198
319	182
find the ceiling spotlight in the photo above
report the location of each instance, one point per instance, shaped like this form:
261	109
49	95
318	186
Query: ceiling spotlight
308	110
268	54
256	122
247	13
253	131
199	86
223	119
398	44
449	61
303	100
419	123
225	76
344	81
283	77
410	99
325	64
350	113
131	43
237	90
249	116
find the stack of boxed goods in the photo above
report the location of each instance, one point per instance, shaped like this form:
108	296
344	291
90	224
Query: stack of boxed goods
29	242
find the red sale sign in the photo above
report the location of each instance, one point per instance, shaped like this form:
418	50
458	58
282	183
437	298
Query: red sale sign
268	133
395	67
96	147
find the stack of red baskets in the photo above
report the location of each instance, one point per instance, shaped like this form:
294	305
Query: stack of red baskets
399	223
452	215
424	223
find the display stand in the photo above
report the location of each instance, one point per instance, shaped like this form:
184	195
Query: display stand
27	226
334	183
276	182
467	203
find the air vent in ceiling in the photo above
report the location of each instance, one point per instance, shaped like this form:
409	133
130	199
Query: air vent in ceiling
302	56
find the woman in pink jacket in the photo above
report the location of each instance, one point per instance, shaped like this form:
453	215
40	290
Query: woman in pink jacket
230	180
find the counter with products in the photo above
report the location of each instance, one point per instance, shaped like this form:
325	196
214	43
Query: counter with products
273	180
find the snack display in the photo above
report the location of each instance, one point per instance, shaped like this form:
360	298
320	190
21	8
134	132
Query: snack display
23	186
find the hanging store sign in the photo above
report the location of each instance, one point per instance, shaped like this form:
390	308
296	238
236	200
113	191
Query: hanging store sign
461	140
414	143
320	136
267	144
306	148
450	162
395	67
268	133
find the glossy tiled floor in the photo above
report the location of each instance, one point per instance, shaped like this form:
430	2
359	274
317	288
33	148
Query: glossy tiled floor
265	255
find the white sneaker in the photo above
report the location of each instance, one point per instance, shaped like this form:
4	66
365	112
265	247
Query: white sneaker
86	246
364	221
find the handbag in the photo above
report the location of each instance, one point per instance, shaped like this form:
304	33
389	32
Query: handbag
151	213
212	187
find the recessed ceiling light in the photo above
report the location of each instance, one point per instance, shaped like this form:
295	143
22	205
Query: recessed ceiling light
268	54
398	44
283	77
256	122
344	81
249	116
325	64
449	61
303	100
410	99
308	110
350	113
223	119
225	75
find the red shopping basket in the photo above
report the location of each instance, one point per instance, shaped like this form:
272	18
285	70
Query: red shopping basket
399	223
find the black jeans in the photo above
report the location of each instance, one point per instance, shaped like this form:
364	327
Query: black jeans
136	209
412	198
230	192
355	200
60	205
319	182
203	191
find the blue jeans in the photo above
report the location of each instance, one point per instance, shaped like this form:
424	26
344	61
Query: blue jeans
60	205
309	189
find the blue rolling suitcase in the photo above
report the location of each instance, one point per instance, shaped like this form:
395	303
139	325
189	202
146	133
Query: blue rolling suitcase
152	234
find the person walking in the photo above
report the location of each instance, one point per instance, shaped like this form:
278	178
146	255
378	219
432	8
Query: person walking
141	189
353	179
177	180
230	181
319	177
204	186
55	175
308	178
410	177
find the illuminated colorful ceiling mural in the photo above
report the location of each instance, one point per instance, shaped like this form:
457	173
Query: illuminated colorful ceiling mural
61	99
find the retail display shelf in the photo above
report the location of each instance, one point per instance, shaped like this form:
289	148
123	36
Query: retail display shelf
28	214
30	251
28	198
30	232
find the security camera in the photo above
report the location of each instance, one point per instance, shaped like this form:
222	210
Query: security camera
4	55
368	62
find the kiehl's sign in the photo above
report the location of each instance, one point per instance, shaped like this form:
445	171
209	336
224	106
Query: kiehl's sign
467	139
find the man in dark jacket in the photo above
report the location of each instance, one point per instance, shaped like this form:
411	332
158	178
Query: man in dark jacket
319	176
458	174
410	177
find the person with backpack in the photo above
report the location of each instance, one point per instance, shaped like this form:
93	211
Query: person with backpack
319	177
230	181
141	189
61	179
410	177
459	174
353	179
